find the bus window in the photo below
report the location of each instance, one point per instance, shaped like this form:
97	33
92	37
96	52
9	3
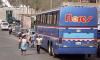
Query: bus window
55	17
39	21
52	18
45	21
43	16
50	22
38	17
48	19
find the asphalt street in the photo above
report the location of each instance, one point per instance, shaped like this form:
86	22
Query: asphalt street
9	51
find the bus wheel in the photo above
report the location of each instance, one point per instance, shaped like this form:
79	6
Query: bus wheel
53	54
49	49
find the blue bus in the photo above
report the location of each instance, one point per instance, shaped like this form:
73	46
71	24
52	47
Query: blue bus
68	30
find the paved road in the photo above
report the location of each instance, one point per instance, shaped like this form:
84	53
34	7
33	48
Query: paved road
9	51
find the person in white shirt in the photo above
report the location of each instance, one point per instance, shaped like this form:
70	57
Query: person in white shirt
38	43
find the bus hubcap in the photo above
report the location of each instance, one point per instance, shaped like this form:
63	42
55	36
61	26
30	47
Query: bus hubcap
49	49
53	52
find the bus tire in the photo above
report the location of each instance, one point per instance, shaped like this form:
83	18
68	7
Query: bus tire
52	52
49	49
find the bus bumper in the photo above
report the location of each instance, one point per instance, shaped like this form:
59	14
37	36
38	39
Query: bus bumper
75	50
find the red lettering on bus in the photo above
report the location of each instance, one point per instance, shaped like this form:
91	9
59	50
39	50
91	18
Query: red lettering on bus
68	17
83	19
89	19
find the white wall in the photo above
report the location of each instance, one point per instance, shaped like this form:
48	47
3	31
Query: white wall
26	22
16	12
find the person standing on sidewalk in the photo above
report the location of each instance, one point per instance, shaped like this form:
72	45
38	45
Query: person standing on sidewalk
20	39
38	43
32	39
24	45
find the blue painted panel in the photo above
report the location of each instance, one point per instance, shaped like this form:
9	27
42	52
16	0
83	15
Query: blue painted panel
78	35
78	11
75	50
61	32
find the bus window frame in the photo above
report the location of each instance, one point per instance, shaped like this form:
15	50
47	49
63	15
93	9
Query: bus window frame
49	18
55	17
43	18
45	21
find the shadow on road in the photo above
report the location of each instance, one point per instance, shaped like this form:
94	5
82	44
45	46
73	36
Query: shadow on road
71	57
29	54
